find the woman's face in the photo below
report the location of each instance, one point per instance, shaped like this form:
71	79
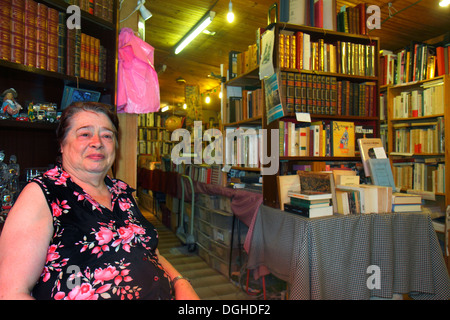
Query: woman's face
89	146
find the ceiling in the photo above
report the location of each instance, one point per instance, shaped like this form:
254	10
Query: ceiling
200	61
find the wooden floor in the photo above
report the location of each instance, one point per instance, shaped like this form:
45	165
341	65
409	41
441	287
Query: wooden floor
207	282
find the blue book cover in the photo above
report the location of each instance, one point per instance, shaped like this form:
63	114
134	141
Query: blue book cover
381	172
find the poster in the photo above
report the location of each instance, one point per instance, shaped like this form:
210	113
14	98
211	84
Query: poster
274	107
266	61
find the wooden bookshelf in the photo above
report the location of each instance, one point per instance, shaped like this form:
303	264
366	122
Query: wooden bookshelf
34	143
350	75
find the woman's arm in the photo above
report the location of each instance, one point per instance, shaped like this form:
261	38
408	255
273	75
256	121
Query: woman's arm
183	289
24	242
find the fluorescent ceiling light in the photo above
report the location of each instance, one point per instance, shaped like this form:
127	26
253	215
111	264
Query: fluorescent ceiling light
444	3
199	27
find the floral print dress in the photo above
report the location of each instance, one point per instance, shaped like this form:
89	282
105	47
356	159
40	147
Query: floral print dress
96	253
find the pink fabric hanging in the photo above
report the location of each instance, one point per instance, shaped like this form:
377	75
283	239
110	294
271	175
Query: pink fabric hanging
137	79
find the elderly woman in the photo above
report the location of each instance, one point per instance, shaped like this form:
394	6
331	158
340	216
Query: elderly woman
76	233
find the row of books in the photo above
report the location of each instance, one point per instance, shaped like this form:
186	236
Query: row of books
209	174
322	14
152	134
428	175
243	62
317	139
102	9
149	147
298	51
426	101
150	119
243	104
417	62
419	137
319	94
35	35
314	13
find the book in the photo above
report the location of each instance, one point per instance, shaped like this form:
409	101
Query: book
343	139
313	181
366	147
407	207
309	213
309	195
310	203
286	183
406	198
381	172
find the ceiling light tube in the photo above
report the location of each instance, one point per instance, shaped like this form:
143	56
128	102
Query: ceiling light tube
199	27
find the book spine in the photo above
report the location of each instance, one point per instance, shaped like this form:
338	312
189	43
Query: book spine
41	36
52	47
17	30
70	52
30	33
77	55
62	42
5	31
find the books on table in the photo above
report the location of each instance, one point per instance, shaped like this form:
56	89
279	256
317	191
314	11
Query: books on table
404	202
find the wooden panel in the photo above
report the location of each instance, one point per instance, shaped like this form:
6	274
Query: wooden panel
410	19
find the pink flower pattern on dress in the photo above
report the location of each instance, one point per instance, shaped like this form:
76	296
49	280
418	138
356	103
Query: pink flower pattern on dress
113	278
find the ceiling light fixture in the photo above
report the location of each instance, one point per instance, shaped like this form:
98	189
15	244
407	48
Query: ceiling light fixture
164	109
444	3
199	27
145	13
208	98
230	15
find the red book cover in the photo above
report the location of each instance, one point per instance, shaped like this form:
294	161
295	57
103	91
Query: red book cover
41	36
5	31
318	14
17	30
30	33
52	42
440	61
362	17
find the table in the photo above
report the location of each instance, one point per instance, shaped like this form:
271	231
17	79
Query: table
335	257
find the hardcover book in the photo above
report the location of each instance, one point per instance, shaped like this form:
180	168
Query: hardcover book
381	172
343	139
366	147
309	213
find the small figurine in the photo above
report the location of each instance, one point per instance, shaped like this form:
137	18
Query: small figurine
10	106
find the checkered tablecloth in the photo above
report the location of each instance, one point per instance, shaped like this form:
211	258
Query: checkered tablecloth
350	257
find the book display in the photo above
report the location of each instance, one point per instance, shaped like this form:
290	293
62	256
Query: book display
330	77
41	55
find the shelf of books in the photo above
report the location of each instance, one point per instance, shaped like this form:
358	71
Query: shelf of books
417	128
330	99
243	113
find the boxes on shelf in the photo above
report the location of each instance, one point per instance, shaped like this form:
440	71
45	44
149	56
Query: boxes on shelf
225	204
208	201
221	220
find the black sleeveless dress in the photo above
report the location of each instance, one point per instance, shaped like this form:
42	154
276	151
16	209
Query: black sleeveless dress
96	253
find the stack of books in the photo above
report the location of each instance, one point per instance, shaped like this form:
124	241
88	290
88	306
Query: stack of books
404	202
309	204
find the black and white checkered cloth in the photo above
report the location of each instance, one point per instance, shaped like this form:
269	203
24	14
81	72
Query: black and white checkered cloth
351	257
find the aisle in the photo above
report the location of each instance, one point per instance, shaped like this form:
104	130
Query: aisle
207	282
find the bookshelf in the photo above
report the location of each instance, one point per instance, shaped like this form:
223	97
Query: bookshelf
243	111
34	144
417	127
349	62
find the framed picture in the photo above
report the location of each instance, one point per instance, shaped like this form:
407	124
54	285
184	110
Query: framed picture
72	94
